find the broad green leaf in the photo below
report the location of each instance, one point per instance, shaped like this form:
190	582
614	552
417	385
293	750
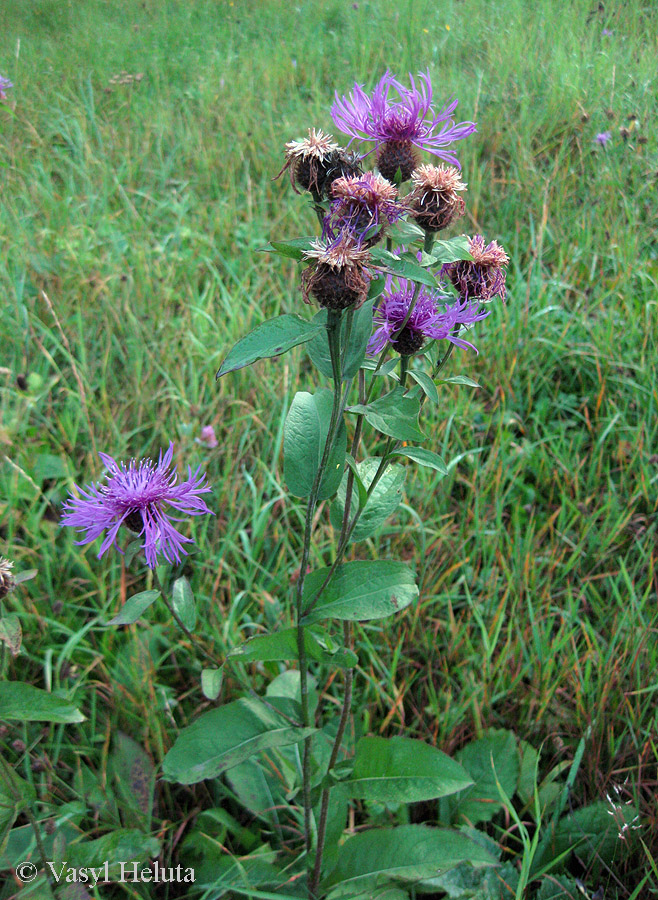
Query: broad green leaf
407	853
318	347
382	503
304	437
394	414
226	736
25	703
134	778
11	633
451	250
282	645
360	590
183	602
293	249
271	338
134	607
424	457
426	383
211	682
406	268
403	770
594	829
492	758
385	369
117	846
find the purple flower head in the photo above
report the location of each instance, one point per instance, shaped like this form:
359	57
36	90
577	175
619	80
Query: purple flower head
5	84
399	126
362	206
483	277
602	138
208	436
135	495
433	316
606	32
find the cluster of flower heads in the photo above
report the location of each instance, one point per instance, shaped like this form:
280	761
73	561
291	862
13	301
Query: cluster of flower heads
5	85
136	495
360	206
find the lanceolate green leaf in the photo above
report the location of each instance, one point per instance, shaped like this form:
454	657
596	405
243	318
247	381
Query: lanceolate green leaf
293	249
360	590
382	503
428	386
452	250
226	736
25	703
183	600
424	457
304	438
407	853
134	607
393	414
271	338
403	770
282	645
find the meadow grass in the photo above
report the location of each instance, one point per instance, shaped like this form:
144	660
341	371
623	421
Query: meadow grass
130	217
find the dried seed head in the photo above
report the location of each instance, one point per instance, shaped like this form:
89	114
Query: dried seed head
434	200
7	582
308	160
483	277
338	278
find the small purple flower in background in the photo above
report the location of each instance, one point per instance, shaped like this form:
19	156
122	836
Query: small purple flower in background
400	127
606	32
208	436
483	277
135	495
433	317
363	206
5	85
603	137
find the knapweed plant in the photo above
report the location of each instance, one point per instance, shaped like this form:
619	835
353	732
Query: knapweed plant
394	301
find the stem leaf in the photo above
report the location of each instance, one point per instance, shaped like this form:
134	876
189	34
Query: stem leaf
270	338
305	434
360	590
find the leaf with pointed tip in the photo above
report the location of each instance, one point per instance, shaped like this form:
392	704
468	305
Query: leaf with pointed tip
318	347
382	503
424	457
360	590
293	249
228	735
271	338
403	770
304	438
21	702
407	853
394	414
134	607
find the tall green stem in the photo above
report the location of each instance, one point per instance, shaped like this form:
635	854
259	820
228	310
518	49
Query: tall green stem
333	333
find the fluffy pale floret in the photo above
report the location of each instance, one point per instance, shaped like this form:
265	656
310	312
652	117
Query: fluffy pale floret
137	495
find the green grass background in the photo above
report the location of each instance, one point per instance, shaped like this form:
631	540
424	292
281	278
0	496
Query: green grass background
129	219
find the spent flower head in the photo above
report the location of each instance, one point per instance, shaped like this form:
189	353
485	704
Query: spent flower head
434	201
137	495
5	85
433	316
362	206
483	277
337	277
399	127
7	582
317	161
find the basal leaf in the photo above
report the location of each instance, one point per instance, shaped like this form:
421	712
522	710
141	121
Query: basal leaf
25	703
